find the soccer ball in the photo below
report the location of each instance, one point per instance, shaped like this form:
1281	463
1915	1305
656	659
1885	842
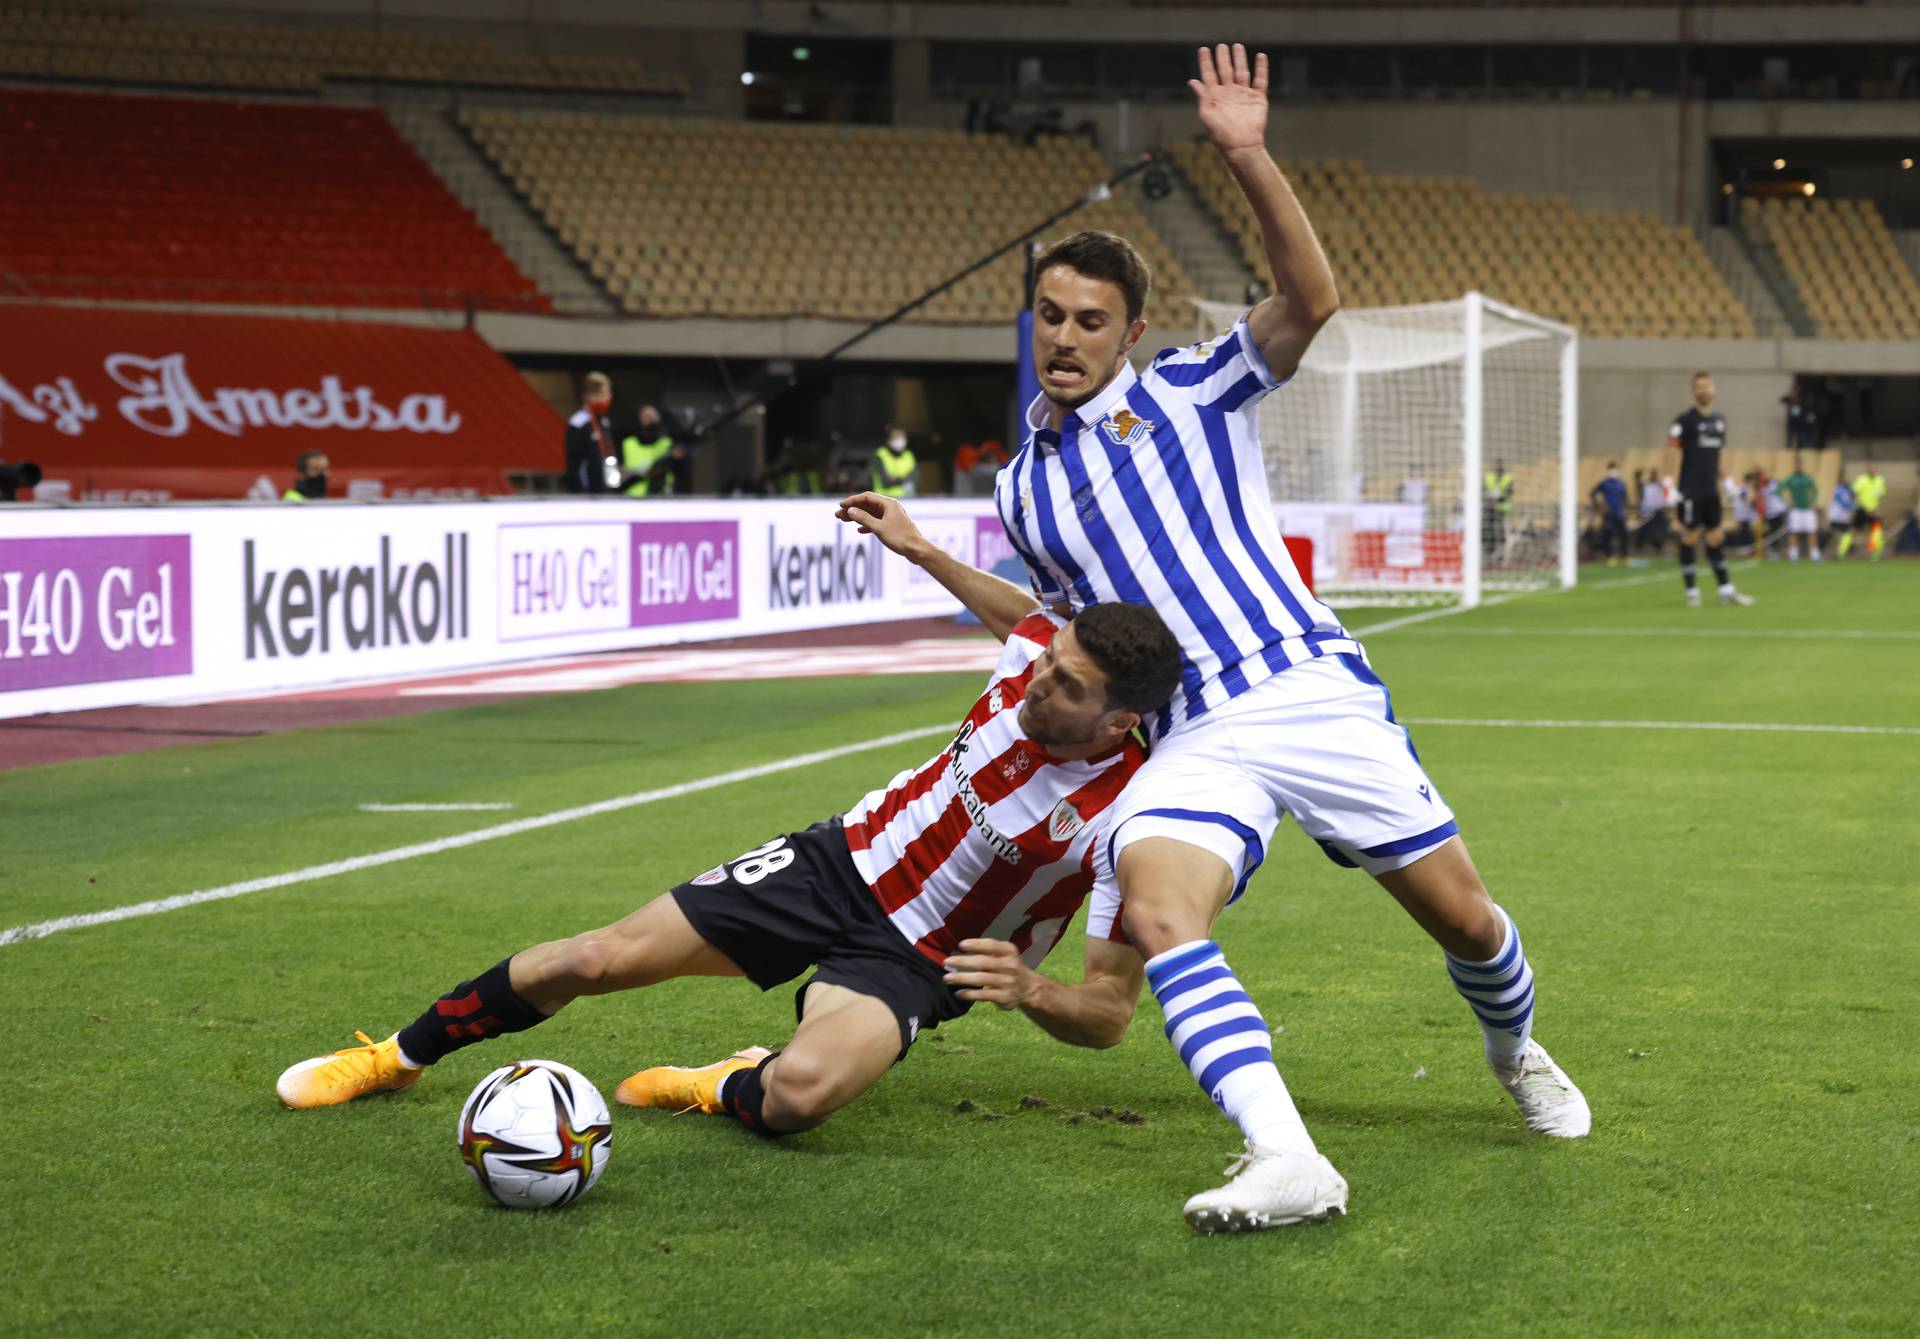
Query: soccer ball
535	1134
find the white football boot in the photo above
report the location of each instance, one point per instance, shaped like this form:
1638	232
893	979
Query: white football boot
1269	1189
1735	597
1693	597
1547	1099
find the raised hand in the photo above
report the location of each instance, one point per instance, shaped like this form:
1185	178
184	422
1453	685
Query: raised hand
884	518
1231	98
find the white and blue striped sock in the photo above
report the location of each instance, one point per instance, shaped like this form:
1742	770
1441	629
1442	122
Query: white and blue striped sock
1500	992
1224	1042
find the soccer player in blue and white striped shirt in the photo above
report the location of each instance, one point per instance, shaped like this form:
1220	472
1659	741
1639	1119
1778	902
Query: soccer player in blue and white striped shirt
1151	489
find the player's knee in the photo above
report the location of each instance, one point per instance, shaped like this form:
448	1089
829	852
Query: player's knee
801	1091
591	964
1155	929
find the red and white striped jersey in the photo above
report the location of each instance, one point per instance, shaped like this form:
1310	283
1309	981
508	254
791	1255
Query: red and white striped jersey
995	838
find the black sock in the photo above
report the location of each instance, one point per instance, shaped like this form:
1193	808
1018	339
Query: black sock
472	1011
742	1092
1719	561
1686	564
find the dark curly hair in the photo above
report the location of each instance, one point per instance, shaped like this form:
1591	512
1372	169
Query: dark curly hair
1101	255
1132	646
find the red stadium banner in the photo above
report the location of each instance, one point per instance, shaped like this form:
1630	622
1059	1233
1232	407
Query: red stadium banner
128	405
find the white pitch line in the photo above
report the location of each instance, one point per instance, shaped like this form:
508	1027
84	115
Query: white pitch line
1806	634
432	808
1426	615
1780	727
454	843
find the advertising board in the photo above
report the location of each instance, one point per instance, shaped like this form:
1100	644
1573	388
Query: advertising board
114	606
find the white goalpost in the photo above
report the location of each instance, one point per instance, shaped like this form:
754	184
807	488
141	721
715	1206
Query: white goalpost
1383	447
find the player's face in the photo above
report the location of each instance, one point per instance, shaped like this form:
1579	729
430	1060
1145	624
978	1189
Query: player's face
1703	391
1080	334
1066	701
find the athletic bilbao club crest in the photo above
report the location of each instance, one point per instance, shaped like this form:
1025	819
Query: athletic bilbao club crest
1065	822
718	874
1127	428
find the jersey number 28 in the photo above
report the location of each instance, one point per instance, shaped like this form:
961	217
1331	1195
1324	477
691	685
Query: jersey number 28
761	861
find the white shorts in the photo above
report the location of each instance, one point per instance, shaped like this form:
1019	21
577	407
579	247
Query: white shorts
1317	740
1803	521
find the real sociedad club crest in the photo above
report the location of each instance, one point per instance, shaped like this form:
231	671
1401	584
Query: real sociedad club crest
1066	821
1126	428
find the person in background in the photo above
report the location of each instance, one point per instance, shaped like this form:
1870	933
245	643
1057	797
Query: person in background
1869	491
590	437
1653	513
1771	501
1840	516
647	458
309	478
1609	498
1699	434
894	466
1803	420
1496	507
1803	520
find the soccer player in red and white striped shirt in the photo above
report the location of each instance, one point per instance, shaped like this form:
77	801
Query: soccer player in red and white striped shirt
944	887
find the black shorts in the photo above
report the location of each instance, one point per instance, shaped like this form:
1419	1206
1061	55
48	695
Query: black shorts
1700	513
1864	519
798	902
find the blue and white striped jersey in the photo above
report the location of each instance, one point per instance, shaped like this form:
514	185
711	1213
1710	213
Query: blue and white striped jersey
1154	492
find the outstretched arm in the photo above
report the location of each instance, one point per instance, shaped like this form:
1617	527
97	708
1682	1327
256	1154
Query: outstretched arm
1094	1013
997	604
1232	102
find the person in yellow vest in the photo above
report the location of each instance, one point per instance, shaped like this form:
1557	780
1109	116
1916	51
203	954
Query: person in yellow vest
894	466
1496	504
309	478
643	455
1869	490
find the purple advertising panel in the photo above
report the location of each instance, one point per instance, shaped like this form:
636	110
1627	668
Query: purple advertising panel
991	548
92	610
685	571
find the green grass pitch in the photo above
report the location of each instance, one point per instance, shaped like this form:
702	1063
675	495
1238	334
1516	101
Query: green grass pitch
1723	925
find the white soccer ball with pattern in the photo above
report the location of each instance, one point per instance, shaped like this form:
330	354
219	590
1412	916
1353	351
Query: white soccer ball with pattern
535	1134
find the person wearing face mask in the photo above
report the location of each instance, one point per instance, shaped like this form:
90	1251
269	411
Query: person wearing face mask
894	465
590	454
651	462
309	478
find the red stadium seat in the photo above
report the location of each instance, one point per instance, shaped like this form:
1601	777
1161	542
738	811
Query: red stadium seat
204	201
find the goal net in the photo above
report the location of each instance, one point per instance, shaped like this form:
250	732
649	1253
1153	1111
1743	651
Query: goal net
1428	451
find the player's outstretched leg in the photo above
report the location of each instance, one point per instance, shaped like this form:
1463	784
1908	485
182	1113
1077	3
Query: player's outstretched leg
1488	967
655	943
1171	892
846	1041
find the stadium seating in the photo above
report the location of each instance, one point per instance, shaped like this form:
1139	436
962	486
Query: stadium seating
194	201
679	217
1850	277
116	47
1403	239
